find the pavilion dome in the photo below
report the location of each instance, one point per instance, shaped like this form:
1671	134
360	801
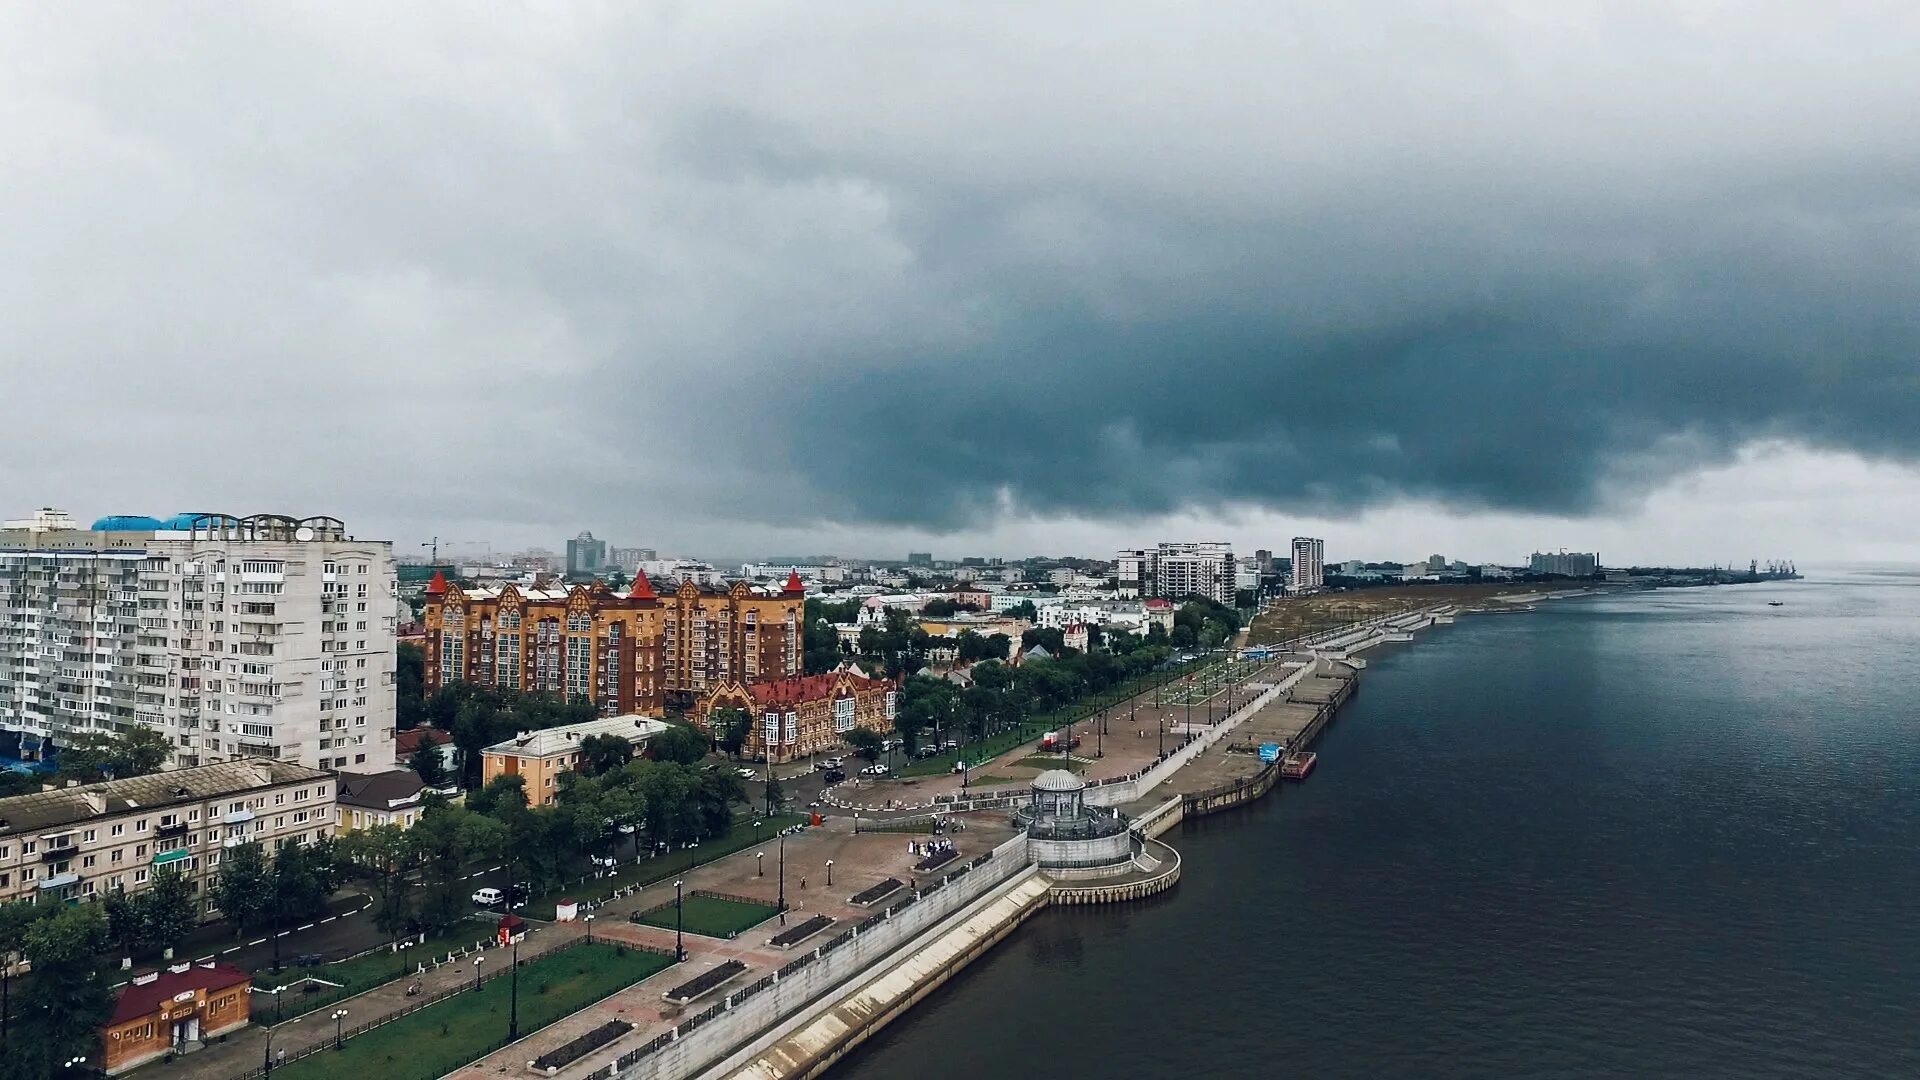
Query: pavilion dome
1058	780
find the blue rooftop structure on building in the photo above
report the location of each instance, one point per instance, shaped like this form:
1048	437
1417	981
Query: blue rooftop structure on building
126	523
184	522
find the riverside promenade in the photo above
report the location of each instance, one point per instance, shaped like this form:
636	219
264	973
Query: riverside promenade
792	1009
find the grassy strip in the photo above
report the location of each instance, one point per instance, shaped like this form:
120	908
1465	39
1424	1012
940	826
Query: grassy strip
666	867
358	975
711	916
1051	761
441	1038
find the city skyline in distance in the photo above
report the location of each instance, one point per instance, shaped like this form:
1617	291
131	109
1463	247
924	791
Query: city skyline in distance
1232	285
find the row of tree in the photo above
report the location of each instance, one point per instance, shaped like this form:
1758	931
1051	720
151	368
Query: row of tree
609	803
55	1014
1004	697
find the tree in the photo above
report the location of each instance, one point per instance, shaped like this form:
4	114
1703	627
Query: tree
776	795
603	753
386	858
502	795
92	756
1023	610
409	685
166	909
446	840
61	1009
729	727
429	766
244	891
865	743
681	744
618	581
125	930
303	878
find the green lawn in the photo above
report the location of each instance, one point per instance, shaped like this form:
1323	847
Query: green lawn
357	975
441	1038
1050	761
665	868
712	916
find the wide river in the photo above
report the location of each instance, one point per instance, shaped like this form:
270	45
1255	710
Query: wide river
1666	834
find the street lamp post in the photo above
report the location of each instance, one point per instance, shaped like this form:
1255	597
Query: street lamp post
338	1016
679	924
477	961
829	871
513	1010
589	921
759	864
783	879
276	1003
266	1055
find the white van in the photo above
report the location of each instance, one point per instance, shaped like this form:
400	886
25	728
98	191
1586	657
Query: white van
488	897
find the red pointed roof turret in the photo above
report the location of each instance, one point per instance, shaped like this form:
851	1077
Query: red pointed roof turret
793	583
642	588
438	586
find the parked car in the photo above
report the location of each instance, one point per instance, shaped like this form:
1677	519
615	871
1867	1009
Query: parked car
835	763
745	774
949	745
835	776
926	751
874	770
488	897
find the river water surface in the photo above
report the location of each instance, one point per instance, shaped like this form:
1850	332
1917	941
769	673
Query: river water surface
1673	833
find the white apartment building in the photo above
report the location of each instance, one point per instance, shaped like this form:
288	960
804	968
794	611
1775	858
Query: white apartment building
1177	570
236	638
1309	569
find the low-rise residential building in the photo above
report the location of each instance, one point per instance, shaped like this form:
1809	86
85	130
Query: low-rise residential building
793	718
85	840
174	1011
388	798
541	756
408	743
1159	613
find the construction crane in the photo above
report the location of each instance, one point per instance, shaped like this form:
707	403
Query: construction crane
433	557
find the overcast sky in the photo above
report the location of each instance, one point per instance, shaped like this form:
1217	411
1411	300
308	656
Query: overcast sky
739	279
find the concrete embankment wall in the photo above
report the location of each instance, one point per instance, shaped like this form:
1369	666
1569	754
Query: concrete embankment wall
1165	875
812	1044
741	1018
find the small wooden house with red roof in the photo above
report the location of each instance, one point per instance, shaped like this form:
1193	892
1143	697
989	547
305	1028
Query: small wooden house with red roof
173	1011
804	714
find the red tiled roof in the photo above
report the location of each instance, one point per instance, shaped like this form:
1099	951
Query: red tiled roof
138	1001
804	688
793	582
438	586
407	743
642	588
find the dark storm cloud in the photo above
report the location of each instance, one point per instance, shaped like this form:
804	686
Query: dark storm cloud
681	267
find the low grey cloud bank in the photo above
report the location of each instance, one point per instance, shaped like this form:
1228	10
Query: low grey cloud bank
681	267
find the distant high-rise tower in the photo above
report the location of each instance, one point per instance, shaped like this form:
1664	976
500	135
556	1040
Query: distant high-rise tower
585	555
1309	571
